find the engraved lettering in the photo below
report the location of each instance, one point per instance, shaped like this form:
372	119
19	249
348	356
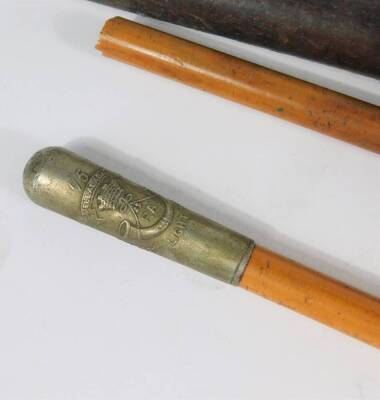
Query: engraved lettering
74	184
179	228
152	209
90	190
79	180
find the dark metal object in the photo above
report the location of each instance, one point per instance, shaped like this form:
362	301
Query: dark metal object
65	183
344	33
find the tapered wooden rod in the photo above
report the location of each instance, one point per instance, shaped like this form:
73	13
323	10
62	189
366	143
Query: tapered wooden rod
303	103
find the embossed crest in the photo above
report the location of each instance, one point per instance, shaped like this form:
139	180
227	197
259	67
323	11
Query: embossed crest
138	213
64	182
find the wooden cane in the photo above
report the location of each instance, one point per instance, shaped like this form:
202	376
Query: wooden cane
313	294
292	99
65	183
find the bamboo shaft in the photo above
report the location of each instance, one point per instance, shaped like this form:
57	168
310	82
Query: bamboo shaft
314	295
303	103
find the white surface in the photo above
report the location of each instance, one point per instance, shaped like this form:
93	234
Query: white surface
84	316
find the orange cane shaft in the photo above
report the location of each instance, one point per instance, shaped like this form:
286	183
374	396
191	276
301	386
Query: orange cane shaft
294	100
314	295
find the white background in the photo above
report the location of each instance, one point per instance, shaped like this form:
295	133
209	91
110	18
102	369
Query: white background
84	316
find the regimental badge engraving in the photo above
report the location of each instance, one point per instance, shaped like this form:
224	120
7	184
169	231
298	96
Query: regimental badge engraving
75	187
132	212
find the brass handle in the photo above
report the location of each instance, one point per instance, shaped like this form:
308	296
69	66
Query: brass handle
77	188
59	180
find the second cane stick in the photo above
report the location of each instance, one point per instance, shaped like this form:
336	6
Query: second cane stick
292	99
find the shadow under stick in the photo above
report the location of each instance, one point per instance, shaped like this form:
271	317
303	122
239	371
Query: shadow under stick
292	99
65	183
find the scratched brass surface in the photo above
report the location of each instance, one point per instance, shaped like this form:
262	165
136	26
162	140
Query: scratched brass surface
63	182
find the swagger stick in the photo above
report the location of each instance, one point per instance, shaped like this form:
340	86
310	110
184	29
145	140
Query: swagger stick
70	185
303	103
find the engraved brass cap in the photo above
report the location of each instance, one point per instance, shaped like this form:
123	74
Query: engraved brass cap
61	181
